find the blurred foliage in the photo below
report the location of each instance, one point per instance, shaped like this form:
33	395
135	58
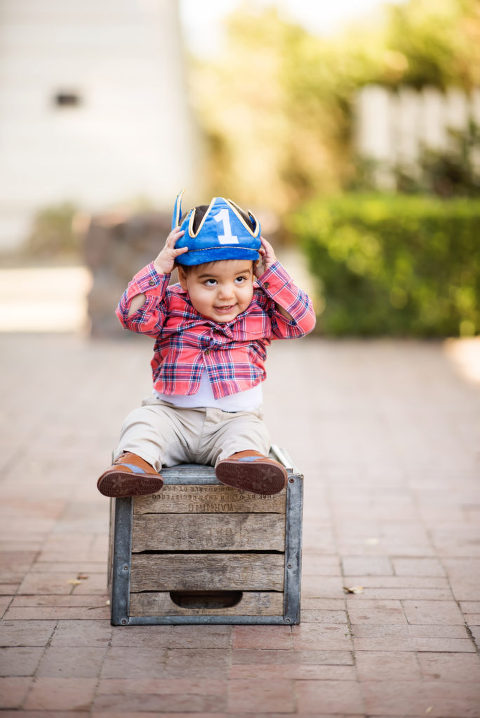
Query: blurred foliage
440	41
53	233
277	104
394	264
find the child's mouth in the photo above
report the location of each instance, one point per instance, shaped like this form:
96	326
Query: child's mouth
225	309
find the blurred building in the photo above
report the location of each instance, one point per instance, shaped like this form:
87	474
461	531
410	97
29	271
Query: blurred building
93	107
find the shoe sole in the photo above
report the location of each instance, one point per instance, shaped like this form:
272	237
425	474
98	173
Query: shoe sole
118	484
257	477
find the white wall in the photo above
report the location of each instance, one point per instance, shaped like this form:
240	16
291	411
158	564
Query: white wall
130	137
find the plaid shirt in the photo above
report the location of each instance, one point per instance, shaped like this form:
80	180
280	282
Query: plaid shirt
187	343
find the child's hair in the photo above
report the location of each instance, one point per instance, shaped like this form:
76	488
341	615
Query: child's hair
200	211
202	208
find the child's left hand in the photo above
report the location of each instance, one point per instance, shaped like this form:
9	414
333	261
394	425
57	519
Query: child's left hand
267	258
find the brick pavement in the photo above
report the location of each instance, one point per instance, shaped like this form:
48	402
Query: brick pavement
387	436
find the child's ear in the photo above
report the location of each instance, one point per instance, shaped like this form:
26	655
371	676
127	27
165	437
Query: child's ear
182	277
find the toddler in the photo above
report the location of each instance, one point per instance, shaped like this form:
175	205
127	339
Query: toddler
211	332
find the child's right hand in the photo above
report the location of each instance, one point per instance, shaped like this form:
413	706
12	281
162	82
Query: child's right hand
165	261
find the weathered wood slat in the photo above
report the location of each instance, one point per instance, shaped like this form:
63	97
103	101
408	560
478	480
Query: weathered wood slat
203	532
111	539
189	499
252	603
207	572
189	472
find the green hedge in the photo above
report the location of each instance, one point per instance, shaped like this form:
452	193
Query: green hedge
394	264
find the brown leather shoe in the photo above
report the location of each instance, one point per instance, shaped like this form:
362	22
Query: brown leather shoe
251	471
129	475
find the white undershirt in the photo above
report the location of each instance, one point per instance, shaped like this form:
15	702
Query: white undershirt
247	400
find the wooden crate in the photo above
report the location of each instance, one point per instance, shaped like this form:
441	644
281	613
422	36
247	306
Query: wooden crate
201	552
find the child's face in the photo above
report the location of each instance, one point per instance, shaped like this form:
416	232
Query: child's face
219	290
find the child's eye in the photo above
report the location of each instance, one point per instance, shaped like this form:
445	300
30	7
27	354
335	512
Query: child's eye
240	280
210	282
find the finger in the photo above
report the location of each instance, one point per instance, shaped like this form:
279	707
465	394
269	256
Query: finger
174	235
182	250
260	267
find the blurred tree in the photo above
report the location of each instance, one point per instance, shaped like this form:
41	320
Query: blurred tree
267	118
440	41
277	104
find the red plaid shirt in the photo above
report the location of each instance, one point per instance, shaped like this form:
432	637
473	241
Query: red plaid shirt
187	343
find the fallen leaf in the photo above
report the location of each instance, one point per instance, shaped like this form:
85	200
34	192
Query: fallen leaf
429	709
353	589
74	582
82	576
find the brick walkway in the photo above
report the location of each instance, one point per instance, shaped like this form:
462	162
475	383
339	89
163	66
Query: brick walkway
387	437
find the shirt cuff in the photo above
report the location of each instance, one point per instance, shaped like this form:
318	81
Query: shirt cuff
274	279
148	279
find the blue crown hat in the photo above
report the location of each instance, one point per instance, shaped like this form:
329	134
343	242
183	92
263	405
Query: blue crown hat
177	210
222	233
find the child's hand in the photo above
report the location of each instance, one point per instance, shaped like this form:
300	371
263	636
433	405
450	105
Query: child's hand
165	261
267	258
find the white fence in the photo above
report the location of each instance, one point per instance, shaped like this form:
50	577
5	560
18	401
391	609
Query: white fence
392	128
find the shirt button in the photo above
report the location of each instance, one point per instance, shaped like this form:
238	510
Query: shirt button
266	285
151	282
207	351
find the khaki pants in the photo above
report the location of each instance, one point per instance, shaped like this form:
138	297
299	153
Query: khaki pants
165	435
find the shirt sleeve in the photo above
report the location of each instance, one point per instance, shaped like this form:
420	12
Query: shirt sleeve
281	291
150	317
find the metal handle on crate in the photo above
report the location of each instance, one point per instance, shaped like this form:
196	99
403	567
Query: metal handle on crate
206	599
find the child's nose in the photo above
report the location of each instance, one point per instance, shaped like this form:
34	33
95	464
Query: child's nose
226	290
